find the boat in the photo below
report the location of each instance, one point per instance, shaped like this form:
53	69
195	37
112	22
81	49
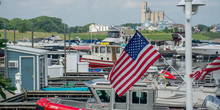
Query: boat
111	47
206	50
179	43
141	96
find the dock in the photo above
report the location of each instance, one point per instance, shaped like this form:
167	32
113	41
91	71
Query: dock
28	101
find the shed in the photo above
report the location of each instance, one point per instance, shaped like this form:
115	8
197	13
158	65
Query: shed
31	63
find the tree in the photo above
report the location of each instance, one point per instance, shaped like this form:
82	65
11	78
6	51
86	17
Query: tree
24	26
176	29
2	43
166	29
16	22
2	20
5	84
202	27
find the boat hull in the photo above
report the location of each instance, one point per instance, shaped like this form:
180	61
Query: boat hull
206	50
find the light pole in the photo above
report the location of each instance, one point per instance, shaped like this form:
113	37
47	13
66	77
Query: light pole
191	8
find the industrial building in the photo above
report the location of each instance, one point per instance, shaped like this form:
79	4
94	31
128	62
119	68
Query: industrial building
148	14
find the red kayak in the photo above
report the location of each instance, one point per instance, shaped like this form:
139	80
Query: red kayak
48	104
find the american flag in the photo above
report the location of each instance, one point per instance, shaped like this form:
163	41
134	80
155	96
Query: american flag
133	62
200	73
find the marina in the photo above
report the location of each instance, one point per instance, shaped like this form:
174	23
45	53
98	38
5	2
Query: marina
159	63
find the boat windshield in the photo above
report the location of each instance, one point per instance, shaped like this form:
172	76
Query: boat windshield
113	34
104	95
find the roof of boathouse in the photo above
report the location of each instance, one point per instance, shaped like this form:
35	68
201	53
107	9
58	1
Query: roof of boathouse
28	50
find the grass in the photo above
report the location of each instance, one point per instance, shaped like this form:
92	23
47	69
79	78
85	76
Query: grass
150	35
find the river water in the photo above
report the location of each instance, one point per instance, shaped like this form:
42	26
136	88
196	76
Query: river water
179	64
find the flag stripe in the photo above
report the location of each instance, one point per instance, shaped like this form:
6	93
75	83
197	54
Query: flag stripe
129	68
129	86
112	71
131	64
132	71
136	58
214	64
200	74
123	66
134	78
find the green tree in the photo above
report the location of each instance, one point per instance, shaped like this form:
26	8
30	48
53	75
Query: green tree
2	43
2	20
202	27
24	26
5	85
166	29
14	23
176	29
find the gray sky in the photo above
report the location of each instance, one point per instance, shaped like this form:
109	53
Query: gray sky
107	12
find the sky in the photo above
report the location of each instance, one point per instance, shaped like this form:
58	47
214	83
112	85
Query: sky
106	12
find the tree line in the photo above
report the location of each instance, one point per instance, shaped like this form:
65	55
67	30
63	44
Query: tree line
53	24
41	24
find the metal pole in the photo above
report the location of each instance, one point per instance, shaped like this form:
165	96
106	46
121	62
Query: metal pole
69	40
188	54
14	35
32	35
5	29
65	50
5	54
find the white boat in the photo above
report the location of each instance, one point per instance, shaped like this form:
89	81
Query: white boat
206	50
110	48
179	43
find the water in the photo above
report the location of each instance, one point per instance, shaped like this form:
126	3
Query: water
179	64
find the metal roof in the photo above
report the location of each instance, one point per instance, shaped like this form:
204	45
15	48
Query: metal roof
80	48
27	50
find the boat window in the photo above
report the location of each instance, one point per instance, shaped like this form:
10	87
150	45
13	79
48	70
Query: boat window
96	49
102	49
117	50
139	97
121	99
104	95
113	34
93	49
108	50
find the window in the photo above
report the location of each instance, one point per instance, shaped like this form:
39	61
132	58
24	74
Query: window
117	50
104	95
96	49
139	97
102	49
108	50
121	99
93	49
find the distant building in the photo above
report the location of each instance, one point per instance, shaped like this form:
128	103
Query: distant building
126	28
163	24
114	27
216	28
97	28
179	26
153	16
152	28
148	25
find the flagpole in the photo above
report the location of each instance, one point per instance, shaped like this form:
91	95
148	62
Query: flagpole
172	67
188	54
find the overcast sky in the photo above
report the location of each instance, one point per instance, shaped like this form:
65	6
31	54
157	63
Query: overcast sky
107	12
